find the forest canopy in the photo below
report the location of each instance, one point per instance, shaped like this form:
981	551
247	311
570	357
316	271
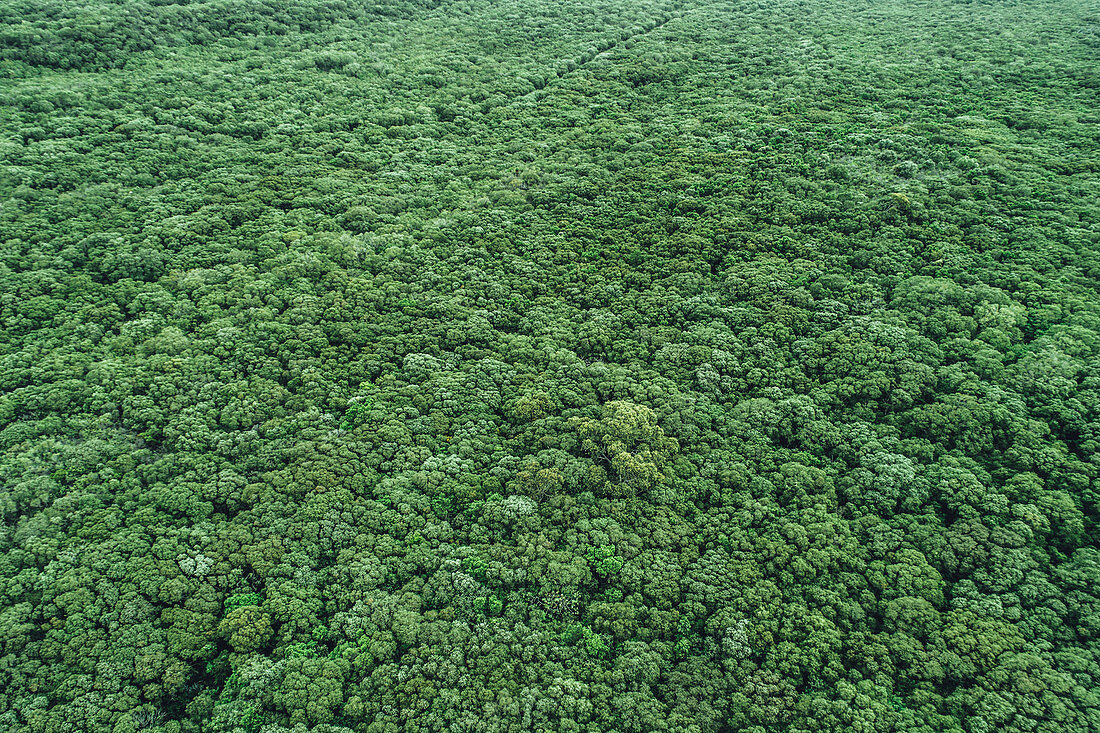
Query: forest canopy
454	365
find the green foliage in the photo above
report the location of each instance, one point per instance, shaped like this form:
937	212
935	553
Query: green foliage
301	649
356	414
475	566
489	605
603	561
251	719
572	633
234	602
246	629
593	366
628	439
594	644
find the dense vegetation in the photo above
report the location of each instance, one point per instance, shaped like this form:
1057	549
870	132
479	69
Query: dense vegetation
530	366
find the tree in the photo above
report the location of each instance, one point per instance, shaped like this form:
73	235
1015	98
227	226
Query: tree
628	440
